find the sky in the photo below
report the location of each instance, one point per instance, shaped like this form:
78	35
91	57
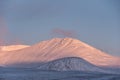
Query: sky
96	22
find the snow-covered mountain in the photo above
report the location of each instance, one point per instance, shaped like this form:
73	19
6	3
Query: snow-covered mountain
57	48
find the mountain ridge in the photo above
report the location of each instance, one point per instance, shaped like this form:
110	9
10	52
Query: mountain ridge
57	48
13	47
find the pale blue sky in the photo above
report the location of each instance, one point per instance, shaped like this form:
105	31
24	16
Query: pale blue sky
96	22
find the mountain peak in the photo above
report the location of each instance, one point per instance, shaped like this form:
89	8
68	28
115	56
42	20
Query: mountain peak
66	39
67	42
60	42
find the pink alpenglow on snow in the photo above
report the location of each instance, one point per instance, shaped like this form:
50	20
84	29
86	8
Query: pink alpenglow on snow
56	48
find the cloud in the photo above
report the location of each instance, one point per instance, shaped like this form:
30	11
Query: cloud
63	32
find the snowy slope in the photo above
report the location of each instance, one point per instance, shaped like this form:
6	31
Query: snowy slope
57	48
70	63
12	47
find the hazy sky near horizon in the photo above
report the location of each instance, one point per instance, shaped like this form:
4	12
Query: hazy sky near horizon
96	22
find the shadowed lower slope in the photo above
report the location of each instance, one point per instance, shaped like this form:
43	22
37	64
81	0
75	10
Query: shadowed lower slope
72	64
